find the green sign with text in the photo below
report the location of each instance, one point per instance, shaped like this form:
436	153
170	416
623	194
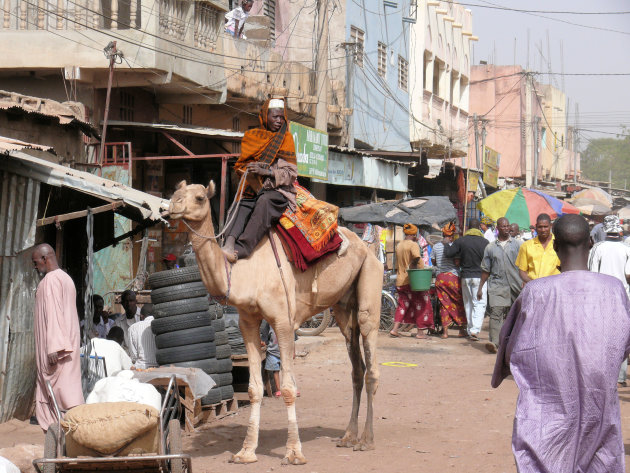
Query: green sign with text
311	150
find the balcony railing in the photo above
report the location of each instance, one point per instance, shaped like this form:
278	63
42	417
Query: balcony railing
194	23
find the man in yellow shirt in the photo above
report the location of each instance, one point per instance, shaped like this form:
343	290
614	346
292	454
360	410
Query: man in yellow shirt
537	258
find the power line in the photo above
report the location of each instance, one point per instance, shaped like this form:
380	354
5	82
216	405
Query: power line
549	12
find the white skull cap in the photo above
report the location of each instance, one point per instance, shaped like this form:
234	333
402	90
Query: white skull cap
276	103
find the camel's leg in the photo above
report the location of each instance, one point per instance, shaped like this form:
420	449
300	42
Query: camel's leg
350	329
250	328
286	342
369	288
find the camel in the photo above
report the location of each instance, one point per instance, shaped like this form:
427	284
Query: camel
350	283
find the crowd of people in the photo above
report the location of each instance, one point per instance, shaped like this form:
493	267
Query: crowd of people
559	320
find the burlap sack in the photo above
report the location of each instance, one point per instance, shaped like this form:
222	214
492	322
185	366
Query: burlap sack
147	443
108	426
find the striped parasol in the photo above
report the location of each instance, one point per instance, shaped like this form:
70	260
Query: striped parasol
522	205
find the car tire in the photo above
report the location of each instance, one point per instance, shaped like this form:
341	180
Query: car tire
213	397
189	336
180	322
198	351
187	306
227	392
223	351
173	277
222	379
221	338
178	292
218	325
210	365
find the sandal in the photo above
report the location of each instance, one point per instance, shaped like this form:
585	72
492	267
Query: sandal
394	335
277	394
473	338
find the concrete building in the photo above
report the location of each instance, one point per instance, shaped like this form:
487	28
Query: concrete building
505	99
440	77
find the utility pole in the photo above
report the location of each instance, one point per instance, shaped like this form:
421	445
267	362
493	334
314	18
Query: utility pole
482	184
475	119
111	53
349	49
610	181
321	111
536	122
577	141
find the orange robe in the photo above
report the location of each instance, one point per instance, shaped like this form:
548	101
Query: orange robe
56	330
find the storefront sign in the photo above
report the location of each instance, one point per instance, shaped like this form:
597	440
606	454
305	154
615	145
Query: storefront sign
311	149
490	166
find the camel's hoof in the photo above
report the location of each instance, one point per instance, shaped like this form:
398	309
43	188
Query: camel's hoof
364	446
294	458
244	457
347	442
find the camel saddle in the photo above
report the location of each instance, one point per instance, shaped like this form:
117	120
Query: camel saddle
309	233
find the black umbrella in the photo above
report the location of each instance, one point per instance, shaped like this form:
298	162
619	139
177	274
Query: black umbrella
431	211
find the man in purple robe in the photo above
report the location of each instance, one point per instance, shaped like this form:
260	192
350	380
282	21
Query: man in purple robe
564	341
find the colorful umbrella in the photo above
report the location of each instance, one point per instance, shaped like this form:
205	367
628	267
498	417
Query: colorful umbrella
590	206
594	193
522	206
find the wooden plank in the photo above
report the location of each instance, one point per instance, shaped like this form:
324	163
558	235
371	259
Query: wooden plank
81	213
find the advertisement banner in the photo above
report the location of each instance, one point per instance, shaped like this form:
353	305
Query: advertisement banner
490	166
311	149
473	181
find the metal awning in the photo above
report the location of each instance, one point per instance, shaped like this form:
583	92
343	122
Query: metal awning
216	133
138	205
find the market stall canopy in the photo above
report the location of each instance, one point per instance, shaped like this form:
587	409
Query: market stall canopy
430	211
521	205
593	193
129	202
591	207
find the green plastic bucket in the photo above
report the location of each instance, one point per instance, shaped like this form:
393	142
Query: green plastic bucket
420	279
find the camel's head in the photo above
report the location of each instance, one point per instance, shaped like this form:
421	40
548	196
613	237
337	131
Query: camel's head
191	202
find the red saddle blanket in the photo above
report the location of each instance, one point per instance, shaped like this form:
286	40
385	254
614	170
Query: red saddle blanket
310	232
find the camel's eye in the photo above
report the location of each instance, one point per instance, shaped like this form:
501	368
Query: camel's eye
200	198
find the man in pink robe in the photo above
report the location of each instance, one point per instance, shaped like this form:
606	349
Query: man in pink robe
56	338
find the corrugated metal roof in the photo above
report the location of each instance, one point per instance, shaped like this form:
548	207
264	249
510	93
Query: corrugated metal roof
18	162
19	198
11	144
188	130
67	113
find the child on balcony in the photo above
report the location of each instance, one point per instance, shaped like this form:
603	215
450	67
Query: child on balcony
235	19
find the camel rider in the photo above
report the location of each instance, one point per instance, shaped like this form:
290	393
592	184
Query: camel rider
268	156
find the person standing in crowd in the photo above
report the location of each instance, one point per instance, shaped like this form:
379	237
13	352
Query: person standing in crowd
235	19
56	328
598	233
447	285
487	227
564	354
413	306
469	250
129	317
102	321
504	282
537	258
515	232
612	257
142	341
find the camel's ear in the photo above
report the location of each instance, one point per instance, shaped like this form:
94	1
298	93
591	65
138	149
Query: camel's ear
211	190
180	185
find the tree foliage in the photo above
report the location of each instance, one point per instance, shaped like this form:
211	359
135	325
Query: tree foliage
607	154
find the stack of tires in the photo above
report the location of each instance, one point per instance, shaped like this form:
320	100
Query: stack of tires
189	330
230	316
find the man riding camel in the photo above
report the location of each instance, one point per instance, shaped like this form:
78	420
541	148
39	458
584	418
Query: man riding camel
268	157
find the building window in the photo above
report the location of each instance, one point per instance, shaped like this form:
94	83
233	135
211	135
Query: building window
403	73
382	59
357	37
438	69
236	124
187	115
126	106
270	11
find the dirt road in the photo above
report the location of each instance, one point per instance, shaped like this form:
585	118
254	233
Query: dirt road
438	416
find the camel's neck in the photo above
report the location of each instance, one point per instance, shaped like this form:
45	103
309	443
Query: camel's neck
209	257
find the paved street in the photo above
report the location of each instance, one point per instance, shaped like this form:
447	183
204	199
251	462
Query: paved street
438	416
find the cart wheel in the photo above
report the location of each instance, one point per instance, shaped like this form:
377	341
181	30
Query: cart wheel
50	449
174	445
316	324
